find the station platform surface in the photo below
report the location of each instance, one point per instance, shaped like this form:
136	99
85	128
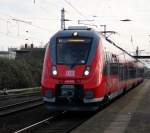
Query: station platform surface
128	114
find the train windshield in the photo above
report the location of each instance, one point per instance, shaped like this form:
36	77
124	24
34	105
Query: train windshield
73	51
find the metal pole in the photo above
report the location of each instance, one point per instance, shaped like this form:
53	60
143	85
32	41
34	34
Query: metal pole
104	30
63	19
137	51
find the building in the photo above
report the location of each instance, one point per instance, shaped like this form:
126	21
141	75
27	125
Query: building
8	54
30	52
27	52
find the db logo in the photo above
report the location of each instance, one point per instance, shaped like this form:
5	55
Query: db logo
70	73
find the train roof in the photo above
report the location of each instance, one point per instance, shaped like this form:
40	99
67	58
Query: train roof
81	31
79	28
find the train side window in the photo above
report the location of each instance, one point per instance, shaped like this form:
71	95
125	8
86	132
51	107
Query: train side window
132	72
126	73
114	68
121	71
106	70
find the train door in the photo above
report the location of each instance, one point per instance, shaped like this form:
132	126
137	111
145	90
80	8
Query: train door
106	73
108	65
109	78
121	72
115	72
121	76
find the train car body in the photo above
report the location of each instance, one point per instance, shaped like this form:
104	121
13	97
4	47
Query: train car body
81	69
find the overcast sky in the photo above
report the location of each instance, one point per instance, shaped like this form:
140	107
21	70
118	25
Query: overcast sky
41	19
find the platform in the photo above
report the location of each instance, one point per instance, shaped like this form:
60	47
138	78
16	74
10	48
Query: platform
128	114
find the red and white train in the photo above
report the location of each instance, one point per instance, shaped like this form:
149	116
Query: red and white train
82	69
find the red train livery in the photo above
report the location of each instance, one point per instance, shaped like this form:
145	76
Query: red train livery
82	69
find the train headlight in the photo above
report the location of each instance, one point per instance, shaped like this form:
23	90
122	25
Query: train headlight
54	70
87	71
75	34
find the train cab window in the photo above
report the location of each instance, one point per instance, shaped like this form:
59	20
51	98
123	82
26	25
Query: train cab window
72	50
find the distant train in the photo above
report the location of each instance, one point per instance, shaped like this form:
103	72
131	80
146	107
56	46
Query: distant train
82	69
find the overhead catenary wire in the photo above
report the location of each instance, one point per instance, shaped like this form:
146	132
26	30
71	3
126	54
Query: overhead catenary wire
113	43
20	37
73	7
55	4
42	8
11	18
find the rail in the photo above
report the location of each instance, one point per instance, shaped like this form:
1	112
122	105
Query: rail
12	108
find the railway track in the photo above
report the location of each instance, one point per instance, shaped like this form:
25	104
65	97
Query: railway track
11	99
46	122
12	108
61	123
10	96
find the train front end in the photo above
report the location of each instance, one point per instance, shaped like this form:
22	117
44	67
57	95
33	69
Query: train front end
72	71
